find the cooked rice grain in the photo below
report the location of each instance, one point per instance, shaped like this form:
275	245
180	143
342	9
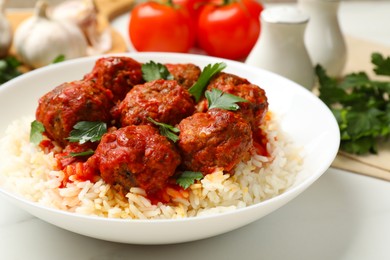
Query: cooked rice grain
27	171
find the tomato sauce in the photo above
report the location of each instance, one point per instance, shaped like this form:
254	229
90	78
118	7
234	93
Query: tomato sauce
260	141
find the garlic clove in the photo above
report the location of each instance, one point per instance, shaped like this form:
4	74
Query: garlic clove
101	43
85	15
5	31
82	13
39	40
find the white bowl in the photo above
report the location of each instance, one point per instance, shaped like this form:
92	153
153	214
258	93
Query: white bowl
306	120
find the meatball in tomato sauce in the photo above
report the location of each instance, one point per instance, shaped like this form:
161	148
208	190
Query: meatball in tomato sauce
226	79
118	74
219	81
185	74
256	106
165	101
136	156
69	103
212	140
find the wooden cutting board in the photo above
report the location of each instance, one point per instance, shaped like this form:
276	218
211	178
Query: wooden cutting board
108	10
113	8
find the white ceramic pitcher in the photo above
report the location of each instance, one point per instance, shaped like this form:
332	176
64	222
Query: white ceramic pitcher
280	47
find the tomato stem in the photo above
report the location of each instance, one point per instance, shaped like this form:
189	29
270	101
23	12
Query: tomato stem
166	2
227	2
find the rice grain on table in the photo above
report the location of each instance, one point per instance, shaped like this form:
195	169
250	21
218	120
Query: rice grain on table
29	172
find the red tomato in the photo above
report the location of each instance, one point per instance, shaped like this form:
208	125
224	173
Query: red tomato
229	30
254	8
161	27
192	6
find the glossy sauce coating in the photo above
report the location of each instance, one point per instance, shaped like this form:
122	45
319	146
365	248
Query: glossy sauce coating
60	109
165	101
185	74
135	156
118	74
214	139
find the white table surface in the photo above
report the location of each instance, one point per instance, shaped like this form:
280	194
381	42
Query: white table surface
342	216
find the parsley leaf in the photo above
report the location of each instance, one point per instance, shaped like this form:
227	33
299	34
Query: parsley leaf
152	71
9	69
85	131
36	131
166	130
59	58
360	105
187	178
80	154
382	64
207	73
218	99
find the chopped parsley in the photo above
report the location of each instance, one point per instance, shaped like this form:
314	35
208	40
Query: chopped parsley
207	73
85	131
166	130
360	105
36	131
218	99
187	178
153	71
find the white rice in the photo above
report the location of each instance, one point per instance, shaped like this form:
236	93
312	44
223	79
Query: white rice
28	171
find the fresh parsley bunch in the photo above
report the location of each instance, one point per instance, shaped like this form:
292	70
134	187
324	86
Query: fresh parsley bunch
361	106
9	69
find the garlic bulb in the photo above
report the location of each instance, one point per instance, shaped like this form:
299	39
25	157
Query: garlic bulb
39	40
5	31
85	15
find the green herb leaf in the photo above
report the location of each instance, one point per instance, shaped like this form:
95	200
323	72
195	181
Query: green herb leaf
166	130
364	123
85	131
9	69
169	134
187	178
382	64
153	71
207	73
36	131
81	154
218	99
360	146
59	58
360	105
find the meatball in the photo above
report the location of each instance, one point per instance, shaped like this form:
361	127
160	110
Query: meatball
220	80
257	106
136	156
118	74
215	139
226	79
163	100
60	109
185	74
